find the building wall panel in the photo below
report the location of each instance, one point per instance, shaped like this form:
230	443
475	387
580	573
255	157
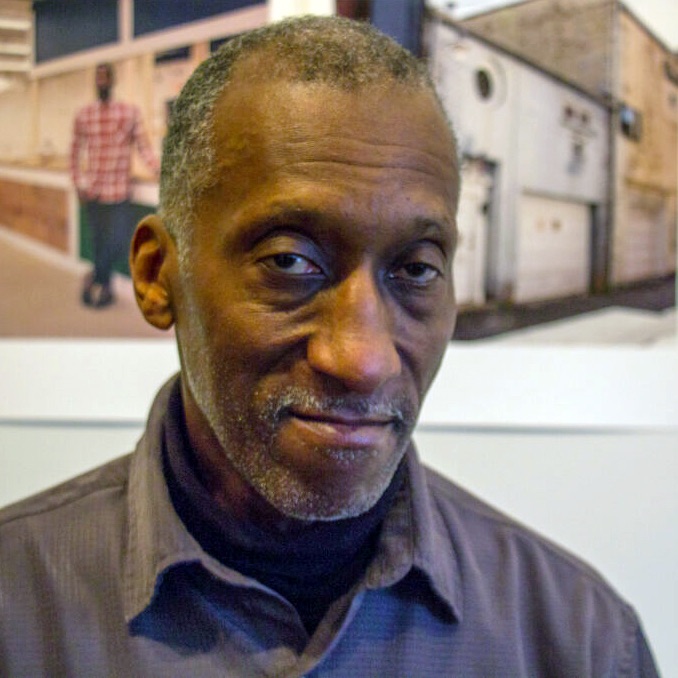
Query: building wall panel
552	256
540	135
645	242
470	259
646	166
15	129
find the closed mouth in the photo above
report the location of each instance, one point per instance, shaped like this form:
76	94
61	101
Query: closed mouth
349	419
342	429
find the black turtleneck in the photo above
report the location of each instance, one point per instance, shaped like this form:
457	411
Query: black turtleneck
310	568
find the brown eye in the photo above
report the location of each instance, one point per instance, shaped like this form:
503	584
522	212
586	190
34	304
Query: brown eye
416	272
294	264
421	271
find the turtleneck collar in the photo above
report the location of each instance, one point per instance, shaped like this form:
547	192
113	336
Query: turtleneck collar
310	568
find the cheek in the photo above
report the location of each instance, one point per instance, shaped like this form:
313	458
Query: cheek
245	343
422	346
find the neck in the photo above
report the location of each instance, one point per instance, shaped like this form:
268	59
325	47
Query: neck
230	491
225	485
310	563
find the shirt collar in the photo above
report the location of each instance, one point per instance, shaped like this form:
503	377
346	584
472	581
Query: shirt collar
416	544
414	538
435	552
157	539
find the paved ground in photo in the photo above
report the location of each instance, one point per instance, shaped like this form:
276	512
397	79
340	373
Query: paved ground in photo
643	314
40	298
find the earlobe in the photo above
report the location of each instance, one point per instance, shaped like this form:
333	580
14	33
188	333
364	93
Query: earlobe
152	260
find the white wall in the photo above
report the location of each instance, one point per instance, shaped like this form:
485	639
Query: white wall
482	127
60	97
16	131
522	124
545	139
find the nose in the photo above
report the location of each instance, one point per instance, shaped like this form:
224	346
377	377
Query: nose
354	339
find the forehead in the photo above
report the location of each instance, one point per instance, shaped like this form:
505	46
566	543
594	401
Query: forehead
376	155
400	121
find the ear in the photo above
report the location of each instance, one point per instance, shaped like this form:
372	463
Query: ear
152	262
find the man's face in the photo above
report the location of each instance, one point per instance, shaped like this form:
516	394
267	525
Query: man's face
103	79
316	302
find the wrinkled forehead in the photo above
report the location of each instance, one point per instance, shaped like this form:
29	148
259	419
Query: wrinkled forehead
317	149
259	115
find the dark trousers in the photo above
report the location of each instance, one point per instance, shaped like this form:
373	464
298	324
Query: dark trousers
111	228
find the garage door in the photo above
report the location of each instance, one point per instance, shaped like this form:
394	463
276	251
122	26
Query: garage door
553	249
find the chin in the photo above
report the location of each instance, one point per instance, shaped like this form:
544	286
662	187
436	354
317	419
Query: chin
329	513
329	504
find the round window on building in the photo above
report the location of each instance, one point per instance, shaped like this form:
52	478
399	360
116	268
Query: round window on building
484	85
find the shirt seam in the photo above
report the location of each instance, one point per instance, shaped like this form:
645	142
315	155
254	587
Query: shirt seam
62	504
531	538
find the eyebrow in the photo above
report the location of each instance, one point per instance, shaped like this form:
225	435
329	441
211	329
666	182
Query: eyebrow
446	230
277	216
280	217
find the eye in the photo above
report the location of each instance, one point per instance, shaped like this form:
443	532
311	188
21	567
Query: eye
293	264
418	273
419	266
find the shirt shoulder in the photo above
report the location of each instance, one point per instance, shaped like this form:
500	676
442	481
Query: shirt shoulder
522	586
473	522
85	113
67	495
491	544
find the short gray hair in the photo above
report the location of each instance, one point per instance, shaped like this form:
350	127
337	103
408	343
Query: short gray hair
331	50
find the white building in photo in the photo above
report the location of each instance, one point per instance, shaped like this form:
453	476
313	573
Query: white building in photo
535	172
608	51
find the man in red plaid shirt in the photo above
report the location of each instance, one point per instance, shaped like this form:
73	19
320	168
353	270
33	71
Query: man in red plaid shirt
107	130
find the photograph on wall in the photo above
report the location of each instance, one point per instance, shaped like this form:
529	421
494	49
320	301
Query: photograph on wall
566	116
82	121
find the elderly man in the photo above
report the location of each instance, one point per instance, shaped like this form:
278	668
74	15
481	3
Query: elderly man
274	519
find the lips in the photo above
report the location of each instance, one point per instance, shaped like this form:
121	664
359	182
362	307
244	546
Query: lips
342	429
343	418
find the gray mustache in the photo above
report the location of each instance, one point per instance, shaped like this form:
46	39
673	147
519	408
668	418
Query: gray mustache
400	409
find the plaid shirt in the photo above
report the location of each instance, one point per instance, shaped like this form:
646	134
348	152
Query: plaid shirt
108	131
